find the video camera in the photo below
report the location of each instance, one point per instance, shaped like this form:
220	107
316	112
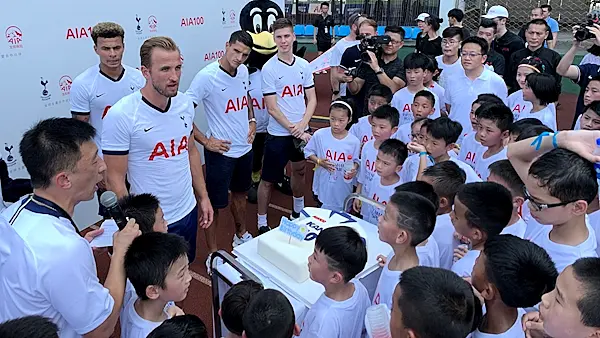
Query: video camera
374	44
582	33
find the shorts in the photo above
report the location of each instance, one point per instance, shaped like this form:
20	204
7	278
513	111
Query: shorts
226	173
279	150
323	45
187	227
258	147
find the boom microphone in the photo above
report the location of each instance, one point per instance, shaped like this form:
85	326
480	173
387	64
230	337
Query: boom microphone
110	201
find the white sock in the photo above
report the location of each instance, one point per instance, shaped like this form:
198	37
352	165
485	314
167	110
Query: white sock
298	204
262	220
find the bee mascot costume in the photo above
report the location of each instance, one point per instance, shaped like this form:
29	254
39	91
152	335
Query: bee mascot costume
257	18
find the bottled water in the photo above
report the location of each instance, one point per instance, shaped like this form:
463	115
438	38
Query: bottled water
377	321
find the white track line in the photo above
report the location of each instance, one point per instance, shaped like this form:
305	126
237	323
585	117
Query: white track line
200	278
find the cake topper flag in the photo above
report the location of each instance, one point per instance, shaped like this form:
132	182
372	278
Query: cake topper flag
292	229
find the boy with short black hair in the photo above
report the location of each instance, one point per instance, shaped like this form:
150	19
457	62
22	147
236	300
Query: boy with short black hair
503	173
157	266
384	124
432	302
510	274
560	184
390	156
234	305
571	309
146	210
442	134
494	123
415	66
29	327
379	95
340	254
408	220
532	131
422	107
446	178
185	326
475	218
269	314
518	126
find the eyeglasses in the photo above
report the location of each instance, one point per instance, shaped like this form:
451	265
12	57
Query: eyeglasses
449	42
541	206
470	55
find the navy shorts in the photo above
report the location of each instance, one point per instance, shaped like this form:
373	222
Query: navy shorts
279	150
323	45
187	227
224	174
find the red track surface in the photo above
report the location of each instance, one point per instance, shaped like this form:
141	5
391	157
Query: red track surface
199	301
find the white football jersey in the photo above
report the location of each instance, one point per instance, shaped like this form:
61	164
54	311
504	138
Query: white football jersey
288	82
93	93
157	144
258	102
225	101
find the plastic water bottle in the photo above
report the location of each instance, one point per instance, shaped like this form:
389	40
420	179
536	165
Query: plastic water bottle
377	321
597	152
348	167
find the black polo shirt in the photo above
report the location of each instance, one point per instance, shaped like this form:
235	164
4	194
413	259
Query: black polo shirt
506	45
392	69
428	47
496	61
550	60
324	25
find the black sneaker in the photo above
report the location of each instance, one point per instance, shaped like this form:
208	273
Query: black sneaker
263	229
284	186
253	193
295	215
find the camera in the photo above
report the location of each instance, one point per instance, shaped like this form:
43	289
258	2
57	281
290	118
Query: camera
582	33
374	44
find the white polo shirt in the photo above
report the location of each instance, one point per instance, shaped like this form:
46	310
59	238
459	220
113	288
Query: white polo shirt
225	101
462	91
157	144
93	93
288	82
49	270
448	71
258	101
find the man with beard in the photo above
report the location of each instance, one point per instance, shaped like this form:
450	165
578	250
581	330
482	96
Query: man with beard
148	135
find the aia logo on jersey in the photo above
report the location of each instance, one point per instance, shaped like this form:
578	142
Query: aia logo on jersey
237	104
65	84
406	108
293	90
365	139
470	157
152	23
171	149
335	156
14	37
376	198
79	33
370	165
258	104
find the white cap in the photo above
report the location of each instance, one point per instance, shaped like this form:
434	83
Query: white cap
422	17
496	12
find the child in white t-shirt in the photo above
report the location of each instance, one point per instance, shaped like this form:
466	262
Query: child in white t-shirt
428	250
510	274
379	95
340	254
330	148
477	219
234	305
415	65
429	83
560	184
408	220
422	108
541	90
470	144
446	178
183	326
384	124
590	119
516	102
503	173
390	156
158	268
494	123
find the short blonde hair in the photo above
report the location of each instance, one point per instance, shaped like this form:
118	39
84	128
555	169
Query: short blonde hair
107	30
162	42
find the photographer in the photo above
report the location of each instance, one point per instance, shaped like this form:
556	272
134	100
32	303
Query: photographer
581	74
380	63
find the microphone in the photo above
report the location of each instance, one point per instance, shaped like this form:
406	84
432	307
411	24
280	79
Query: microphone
109	200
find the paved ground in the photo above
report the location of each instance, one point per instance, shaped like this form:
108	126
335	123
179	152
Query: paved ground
199	298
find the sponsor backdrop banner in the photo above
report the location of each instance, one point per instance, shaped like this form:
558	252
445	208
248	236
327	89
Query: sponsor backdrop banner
46	45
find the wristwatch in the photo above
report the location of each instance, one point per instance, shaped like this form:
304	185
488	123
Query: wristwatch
252	120
380	71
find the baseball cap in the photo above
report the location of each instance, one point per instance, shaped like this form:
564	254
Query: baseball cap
496	12
422	17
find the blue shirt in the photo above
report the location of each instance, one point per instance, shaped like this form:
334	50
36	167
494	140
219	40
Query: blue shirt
553	24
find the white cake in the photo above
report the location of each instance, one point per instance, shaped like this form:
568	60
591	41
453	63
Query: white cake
290	255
